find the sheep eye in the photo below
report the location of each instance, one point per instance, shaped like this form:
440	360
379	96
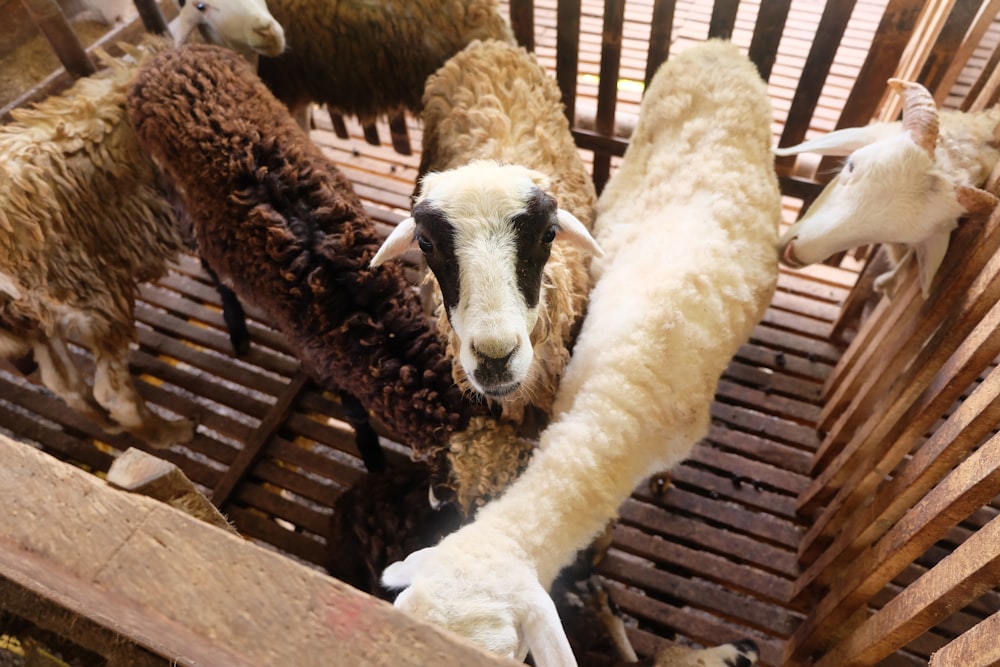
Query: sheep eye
848	166
425	245
550	235
201	6
182	3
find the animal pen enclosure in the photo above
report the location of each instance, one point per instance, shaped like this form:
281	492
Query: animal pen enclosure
843	508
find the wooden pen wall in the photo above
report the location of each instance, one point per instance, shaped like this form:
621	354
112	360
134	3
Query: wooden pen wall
882	413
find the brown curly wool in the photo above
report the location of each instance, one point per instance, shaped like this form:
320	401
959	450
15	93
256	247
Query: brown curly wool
278	221
371	58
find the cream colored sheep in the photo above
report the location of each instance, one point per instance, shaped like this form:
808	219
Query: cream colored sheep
689	226
84	220
502	171
82	223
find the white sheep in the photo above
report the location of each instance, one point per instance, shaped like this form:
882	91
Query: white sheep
245	26
502	219
370	59
83	221
906	182
689	229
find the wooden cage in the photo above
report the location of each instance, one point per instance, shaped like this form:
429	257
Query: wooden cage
842	510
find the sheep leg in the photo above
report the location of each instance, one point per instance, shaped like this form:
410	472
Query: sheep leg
63	378
232	313
114	389
365	436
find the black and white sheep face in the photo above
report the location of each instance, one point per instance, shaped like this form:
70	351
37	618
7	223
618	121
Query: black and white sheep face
486	231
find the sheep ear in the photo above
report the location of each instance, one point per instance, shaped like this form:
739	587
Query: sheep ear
399	241
544	634
575	232
838	142
400	574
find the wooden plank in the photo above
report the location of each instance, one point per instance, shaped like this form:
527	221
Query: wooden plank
713	567
907	421
976	648
567	53
607	92
709	597
48	16
136	471
965	428
950	46
768	29
975	482
960	57
252	447
723	19
962	301
522	22
817	66
921	402
892	36
955	581
739	547
84	633
660	29
187	590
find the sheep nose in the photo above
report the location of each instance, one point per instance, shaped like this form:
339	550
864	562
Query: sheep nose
493	369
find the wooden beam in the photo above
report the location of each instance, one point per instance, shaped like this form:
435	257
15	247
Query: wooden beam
976	648
189	591
139	472
254	445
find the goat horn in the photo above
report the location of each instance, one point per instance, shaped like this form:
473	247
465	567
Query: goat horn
975	201
920	115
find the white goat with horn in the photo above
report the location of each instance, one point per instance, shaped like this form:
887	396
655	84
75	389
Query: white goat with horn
906	182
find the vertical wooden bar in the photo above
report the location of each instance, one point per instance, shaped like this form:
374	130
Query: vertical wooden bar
522	22
568	53
660	29
723	19
767	32
890	41
984	19
607	91
371	134
832	26
949	44
339	126
152	17
49	18
399	134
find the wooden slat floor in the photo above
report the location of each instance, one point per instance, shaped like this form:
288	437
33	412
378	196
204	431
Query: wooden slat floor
710	558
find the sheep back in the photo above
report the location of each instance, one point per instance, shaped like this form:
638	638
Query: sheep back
493	100
278	221
82	218
371	58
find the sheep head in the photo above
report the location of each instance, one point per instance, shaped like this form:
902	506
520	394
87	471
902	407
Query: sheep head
486	231
246	26
890	190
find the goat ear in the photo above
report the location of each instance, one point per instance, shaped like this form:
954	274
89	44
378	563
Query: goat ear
400	574
399	241
930	254
544	634
975	201
838	142
575	232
